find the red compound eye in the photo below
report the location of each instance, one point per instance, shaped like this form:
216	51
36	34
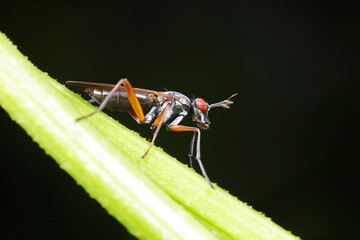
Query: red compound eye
202	105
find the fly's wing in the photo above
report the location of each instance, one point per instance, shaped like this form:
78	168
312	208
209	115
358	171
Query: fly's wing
85	86
119	101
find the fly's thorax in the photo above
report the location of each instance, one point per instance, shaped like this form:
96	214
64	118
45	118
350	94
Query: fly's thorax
178	105
181	103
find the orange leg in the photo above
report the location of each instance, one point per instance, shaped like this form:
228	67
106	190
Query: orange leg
181	128
131	96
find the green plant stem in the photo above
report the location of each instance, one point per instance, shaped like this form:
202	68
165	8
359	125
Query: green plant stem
30	98
155	198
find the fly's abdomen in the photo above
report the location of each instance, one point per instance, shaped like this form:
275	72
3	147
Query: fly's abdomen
119	101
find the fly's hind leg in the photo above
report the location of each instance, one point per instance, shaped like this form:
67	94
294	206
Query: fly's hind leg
134	101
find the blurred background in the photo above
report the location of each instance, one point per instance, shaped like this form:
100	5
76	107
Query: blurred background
288	146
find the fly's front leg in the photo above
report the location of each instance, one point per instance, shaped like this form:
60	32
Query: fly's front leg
191	151
134	101
181	128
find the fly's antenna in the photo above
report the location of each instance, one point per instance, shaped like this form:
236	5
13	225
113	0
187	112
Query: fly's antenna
224	104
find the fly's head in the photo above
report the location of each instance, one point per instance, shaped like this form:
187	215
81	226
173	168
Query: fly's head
200	109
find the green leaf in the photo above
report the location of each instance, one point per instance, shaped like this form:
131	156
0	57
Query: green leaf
154	198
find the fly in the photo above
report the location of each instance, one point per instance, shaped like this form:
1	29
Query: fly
168	108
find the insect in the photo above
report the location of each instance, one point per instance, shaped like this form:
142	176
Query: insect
167	108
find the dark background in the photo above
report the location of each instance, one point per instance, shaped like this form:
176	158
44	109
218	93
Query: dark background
287	147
